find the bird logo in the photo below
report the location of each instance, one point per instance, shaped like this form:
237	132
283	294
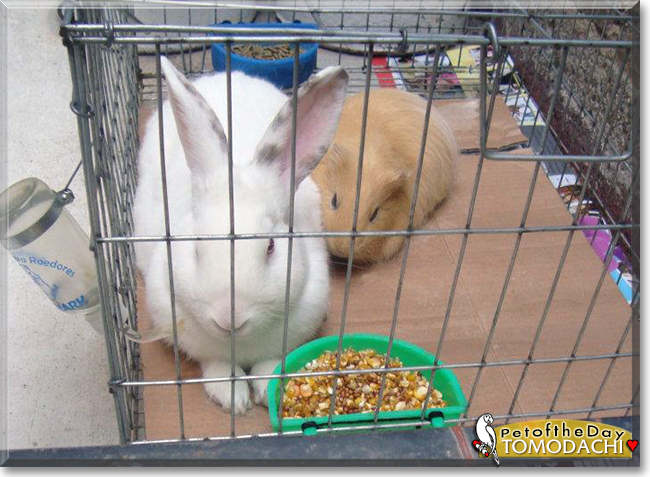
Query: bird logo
487	439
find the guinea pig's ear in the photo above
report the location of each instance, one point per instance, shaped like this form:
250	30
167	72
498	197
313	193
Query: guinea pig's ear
397	179
199	129
320	102
336	151
336	160
336	154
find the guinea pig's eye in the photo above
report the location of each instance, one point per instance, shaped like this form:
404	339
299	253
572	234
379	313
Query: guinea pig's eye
335	202
374	215
271	247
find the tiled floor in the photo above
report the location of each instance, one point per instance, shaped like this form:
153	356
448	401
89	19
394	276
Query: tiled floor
57	367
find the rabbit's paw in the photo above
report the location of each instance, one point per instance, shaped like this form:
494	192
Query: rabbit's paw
259	385
221	392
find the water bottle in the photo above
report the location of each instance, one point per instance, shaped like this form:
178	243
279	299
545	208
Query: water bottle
51	247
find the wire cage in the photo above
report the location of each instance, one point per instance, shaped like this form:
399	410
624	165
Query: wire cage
569	78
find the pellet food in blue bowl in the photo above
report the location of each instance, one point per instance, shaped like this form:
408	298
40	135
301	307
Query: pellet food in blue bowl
273	62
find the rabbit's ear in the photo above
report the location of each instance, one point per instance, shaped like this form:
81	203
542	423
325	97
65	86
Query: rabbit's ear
199	129
320	102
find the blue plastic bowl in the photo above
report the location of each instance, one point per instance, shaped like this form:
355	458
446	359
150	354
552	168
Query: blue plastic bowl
278	72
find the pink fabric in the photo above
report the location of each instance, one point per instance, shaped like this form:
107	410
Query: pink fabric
601	242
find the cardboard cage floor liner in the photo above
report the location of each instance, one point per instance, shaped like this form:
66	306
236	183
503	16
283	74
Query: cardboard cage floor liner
425	295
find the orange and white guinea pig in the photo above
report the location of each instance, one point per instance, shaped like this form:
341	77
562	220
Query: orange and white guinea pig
392	146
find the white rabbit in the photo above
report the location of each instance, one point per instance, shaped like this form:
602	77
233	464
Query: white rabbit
196	162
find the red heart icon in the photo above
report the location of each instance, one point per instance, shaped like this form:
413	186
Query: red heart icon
632	444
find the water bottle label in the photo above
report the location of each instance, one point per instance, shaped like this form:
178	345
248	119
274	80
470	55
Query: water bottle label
56	265
29	263
76	304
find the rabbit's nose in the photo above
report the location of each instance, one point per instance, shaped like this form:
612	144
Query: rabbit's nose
228	324
225	320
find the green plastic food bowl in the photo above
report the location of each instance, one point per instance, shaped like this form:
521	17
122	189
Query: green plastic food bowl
410	355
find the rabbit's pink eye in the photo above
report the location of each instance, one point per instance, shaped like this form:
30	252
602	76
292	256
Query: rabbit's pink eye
271	247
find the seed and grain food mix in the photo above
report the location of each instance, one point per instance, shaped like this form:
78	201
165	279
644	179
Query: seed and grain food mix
265	52
311	396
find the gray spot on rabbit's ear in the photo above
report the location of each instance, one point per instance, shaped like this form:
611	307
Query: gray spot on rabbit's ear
282	118
269	153
321	152
286	113
330	75
216	126
189	87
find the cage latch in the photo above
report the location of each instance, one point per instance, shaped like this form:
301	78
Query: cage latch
403	45
66	13
490	32
114	384
109	33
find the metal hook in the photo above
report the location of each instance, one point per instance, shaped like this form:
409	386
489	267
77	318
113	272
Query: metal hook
87	112
65	196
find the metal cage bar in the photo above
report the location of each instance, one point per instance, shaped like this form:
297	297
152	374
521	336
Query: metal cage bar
407	244
231	210
292	191
355	217
524	218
